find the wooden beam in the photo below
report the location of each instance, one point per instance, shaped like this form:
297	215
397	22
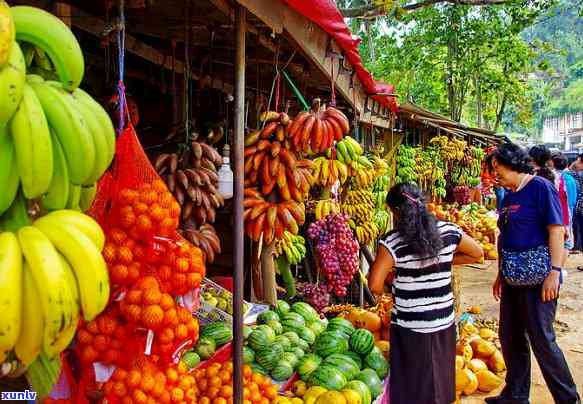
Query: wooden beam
96	26
266	12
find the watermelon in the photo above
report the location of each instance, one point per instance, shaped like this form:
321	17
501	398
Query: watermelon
265	328
343	363
267	316
318	327
275	326
362	341
303	345
261	339
282	371
283	341
190	359
362	390
290	358
372	380
292	336
248	355
298	352
376	360
282	308
329	377
306	311
329	343
257	368
307	335
355	357
247	331
341	324
307	365
205	348
293	322
269	357
221	333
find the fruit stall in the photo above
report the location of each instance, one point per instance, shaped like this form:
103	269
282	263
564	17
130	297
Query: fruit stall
123	217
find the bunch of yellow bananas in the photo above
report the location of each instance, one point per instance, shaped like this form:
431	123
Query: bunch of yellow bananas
326	207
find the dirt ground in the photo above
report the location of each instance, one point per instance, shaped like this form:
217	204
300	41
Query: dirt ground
476	290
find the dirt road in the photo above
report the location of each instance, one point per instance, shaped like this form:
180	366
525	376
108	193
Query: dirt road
476	290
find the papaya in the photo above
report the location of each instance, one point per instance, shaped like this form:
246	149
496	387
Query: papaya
465	350
475	365
459	362
482	349
487	381
496	362
472	386
331	397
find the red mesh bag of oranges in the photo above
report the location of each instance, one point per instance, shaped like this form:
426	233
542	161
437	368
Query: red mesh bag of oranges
148	382
141	224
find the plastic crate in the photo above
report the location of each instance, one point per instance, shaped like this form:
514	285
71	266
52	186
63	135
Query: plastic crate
208	313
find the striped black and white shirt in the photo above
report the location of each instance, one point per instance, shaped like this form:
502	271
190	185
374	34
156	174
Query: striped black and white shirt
422	290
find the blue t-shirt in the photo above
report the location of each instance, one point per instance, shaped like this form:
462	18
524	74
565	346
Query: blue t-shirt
526	214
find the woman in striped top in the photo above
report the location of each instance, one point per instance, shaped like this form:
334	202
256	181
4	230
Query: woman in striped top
419	252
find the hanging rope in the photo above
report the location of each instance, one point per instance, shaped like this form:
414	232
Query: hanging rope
187	75
122	107
333	100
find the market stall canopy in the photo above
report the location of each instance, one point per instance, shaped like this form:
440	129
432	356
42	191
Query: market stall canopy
410	111
327	16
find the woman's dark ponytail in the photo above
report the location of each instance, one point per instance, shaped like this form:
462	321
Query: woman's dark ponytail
415	225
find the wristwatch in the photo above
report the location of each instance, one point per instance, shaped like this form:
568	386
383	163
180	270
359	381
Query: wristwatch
558	269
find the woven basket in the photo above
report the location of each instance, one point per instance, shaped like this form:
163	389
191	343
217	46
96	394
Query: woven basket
456	283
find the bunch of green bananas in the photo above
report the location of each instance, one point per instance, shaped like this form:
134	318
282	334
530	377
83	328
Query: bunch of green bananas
51	271
382	220
380	199
56	141
292	246
406	162
348	150
381	183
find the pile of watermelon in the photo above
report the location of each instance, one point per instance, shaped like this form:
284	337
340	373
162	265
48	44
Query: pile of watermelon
330	354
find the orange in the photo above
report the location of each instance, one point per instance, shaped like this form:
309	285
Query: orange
149	197
202	384
92	327
166	336
204	400
84	337
109	253
198	374
133	312
148	282
183	314
141	207
182	265
212	392
172	375
193	279
247	402
134	296
100	342
118	236
89	354
157	212
119	273
165	200
212	371
219	400
128	219
164	272
165	398
166	301
256	397
108	387
119	375
159	186
215	381
176	395
247	371
179	281
125	255
152	316
225	376
264	401
147	383
246	393
257	378
226	391
151	296
160	378
139	396
134	378
139	252
134	271
127	196
253	388
144	223
182	368
151	400
158	389
168	223
119	389
185	384
270	392
171	317
127	400
228	366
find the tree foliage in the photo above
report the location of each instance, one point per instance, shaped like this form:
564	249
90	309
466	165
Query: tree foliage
470	63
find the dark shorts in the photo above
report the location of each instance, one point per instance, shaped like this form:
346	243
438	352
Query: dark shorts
422	366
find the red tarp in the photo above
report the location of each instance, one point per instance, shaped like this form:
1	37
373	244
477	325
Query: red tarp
326	15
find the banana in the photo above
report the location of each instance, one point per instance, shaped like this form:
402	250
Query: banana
49	276
59	190
33	145
71	130
12	79
30	341
46	31
74	197
16	216
84	223
342	153
87	197
354	144
325	172
85	259
103	118
7	33
102	134
67	335
9	178
10	290
342	171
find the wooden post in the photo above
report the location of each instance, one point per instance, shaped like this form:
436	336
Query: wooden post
238	150
268	275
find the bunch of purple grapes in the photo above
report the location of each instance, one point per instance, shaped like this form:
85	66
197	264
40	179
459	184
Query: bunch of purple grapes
315	295
462	195
336	250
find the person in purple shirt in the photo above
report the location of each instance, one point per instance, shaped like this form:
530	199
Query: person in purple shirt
531	227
